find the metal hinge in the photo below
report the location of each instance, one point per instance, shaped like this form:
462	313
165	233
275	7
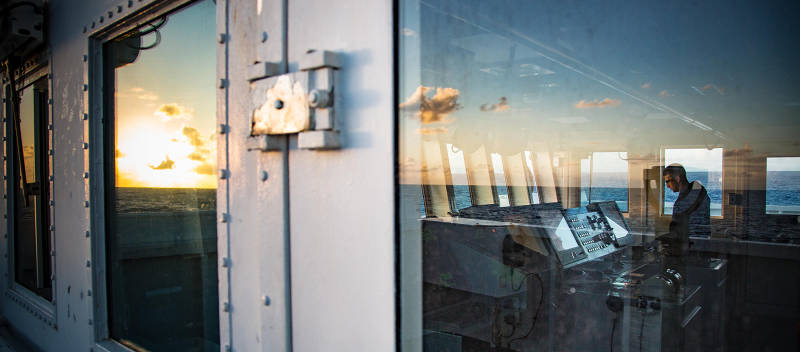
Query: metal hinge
297	102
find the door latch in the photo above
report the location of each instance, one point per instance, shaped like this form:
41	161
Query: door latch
299	103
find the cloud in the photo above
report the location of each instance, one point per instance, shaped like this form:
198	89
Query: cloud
165	165
197	156
432	130
664	93
118	153
408	32
194	136
710	86
606	102
172	111
432	109
646	85
204	169
501	106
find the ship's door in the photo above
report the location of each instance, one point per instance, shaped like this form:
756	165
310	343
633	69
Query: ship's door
306	222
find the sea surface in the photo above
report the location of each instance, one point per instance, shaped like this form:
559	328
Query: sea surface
164	200
782	192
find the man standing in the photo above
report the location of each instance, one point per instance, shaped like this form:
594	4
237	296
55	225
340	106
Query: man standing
692	210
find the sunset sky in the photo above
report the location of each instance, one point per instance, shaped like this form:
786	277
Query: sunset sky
165	106
652	78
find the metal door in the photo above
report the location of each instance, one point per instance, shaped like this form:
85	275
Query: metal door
307	236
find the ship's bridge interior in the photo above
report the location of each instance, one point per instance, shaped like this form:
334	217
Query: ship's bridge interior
537	144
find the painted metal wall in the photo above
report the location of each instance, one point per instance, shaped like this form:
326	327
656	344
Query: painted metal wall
306	238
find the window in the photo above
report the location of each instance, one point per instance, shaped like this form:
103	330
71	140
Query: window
160	187
604	177
586	103
783	178
29	188
703	165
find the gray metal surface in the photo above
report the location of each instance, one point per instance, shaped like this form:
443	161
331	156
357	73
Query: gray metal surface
256	235
341	201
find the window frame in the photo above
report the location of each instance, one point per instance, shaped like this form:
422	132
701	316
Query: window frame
766	175
97	104
34	70
663	189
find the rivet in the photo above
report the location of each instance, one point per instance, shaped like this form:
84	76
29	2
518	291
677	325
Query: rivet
85	87
85	145
228	348
110	14
87	234
264	37
226	307
226	262
88	263
50	152
85	117
222	38
52	203
278	104
267	301
93	25
223	128
101	19
84	29
86	204
89	293
223	174
50	101
223	217
51	178
264	176
50	126
222	83
85	175
52	227
90	321
119	9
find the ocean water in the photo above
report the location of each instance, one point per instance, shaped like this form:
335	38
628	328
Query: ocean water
782	192
165	200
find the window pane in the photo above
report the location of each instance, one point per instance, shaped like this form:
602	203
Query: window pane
161	242
580	234
783	192
703	166
604	177
32	242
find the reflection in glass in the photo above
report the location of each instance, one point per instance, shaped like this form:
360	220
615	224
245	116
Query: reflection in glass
565	116
161	241
783	194
702	165
31	191
604	176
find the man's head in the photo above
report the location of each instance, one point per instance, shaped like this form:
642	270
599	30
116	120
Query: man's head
674	176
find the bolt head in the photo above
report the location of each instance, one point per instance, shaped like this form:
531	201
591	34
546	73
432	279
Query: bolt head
278	104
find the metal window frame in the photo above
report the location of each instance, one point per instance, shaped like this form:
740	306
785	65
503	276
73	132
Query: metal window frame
34	70
126	16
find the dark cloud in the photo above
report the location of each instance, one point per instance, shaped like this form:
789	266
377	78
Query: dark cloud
501	106
432	109
165	165
196	156
204	169
194	137
173	111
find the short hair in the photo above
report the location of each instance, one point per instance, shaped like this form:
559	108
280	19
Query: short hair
675	170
